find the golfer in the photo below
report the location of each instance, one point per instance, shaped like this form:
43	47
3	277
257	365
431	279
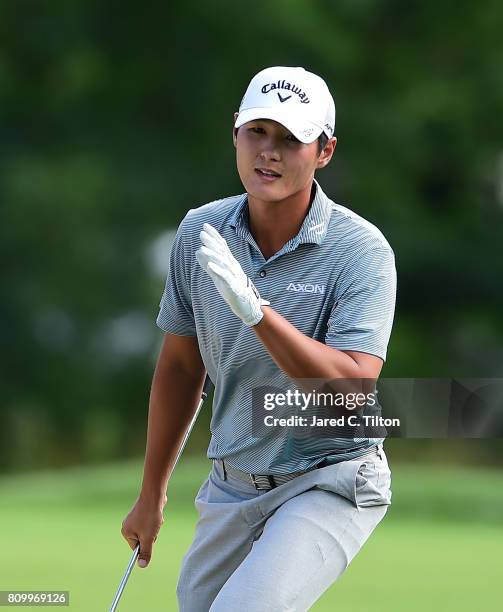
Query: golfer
268	290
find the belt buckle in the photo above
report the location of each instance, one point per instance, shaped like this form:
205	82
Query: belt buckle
260	487
255	483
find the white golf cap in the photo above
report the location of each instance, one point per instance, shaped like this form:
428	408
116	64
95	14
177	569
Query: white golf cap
294	97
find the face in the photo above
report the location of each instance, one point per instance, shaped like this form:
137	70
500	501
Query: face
272	164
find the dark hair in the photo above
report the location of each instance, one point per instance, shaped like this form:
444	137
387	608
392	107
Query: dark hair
322	141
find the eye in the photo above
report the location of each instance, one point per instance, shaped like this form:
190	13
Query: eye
256	130
292	138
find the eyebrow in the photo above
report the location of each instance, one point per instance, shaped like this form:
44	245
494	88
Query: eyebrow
270	122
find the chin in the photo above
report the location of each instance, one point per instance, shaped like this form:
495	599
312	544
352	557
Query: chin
269	193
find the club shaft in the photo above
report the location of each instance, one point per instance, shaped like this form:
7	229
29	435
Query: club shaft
204	395
136	551
125	578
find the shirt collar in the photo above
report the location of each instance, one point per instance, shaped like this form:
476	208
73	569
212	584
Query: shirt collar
313	229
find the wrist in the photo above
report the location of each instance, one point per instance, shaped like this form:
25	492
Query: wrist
154	497
255	301
262	317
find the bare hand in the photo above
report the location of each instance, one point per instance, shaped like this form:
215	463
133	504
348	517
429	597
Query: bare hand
142	525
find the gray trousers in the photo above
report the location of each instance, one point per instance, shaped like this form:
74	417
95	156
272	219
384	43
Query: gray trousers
279	550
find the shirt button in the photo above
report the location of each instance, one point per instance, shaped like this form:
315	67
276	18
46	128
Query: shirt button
262	273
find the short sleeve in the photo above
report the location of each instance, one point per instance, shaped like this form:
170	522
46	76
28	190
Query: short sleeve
175	308
362	317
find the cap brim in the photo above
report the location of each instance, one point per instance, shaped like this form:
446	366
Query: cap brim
305	131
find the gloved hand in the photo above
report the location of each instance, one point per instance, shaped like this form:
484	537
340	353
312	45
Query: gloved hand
215	257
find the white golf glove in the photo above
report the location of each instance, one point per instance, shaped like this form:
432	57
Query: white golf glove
215	257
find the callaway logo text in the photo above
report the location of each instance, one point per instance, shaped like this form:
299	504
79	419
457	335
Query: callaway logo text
289	87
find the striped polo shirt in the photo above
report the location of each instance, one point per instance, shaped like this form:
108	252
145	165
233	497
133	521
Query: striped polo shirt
335	281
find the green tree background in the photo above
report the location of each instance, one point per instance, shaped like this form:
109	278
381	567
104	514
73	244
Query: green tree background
115	119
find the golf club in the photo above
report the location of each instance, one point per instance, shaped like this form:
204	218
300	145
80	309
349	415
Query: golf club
204	395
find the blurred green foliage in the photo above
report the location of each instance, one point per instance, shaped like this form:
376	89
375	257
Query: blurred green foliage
115	119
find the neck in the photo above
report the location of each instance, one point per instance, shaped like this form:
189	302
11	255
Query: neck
273	224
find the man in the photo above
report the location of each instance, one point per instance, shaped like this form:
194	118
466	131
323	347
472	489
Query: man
270	289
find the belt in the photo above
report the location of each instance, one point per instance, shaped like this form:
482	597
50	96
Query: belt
266	482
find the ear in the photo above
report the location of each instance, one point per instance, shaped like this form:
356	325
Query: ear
234	130
326	155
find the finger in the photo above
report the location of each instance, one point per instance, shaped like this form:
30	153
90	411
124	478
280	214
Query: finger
228	260
212	243
212	231
145	553
133	542
203	258
206	255
130	536
217	243
220	272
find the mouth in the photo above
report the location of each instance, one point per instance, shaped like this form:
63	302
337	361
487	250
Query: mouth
267	175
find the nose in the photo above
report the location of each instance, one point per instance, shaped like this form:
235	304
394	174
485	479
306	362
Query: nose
270	150
269	155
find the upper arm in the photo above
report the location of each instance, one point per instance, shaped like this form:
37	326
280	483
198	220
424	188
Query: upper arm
175	308
181	353
369	366
361	320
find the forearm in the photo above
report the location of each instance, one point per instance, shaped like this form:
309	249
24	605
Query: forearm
300	356
296	354
174	398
